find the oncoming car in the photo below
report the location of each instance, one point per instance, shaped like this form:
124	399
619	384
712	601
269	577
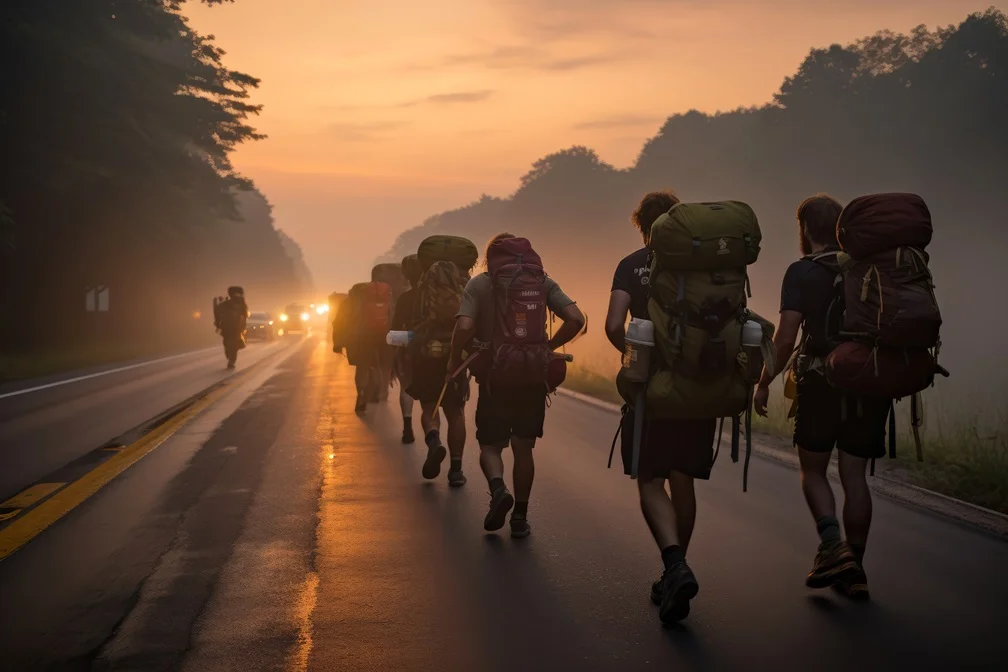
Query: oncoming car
295	320
260	326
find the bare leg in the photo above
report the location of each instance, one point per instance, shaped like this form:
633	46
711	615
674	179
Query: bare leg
456	432
815	484
524	468
491	462
683	498
857	509
658	512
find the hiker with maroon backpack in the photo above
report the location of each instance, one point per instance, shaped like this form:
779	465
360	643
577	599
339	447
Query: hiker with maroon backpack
502	321
360	326
446	262
863	298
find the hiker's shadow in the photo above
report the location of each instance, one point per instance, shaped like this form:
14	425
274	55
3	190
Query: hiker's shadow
681	637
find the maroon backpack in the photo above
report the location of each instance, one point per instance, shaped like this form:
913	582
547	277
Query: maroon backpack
519	350
891	319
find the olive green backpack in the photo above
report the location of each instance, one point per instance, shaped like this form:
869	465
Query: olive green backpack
698	302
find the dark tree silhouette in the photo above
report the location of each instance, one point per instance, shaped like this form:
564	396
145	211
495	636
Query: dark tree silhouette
923	112
116	122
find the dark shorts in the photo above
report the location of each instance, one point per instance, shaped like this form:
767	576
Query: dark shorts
428	377
826	417
503	411
686	446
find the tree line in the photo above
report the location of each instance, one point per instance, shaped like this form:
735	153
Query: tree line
117	121
922	112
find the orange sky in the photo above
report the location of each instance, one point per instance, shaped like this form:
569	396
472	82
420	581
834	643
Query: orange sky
383	112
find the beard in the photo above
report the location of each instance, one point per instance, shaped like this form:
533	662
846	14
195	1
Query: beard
804	243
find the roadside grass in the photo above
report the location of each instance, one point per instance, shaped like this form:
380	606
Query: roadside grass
43	362
963	458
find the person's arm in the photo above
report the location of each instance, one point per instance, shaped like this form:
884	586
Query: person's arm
465	329
615	324
784	343
573	323
465	323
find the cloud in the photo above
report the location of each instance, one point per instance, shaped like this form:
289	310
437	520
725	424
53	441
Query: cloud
450	98
460	97
620	121
345	131
525	57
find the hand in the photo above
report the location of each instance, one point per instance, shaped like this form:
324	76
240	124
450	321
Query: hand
760	400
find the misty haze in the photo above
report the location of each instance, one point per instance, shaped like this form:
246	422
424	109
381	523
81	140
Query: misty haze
268	363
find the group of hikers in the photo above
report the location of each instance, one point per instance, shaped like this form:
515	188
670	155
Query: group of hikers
861	296
230	317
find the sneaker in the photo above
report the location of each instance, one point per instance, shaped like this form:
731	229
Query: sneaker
432	465
456	479
656	592
520	527
501	501
834	558
853	584
407	434
679	586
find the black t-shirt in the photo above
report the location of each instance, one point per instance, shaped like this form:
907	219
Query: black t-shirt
808	289
632	277
406	308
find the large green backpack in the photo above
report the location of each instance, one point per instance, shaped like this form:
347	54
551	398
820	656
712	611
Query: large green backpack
460	251
698	295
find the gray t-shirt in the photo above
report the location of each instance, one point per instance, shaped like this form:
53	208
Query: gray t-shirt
477	303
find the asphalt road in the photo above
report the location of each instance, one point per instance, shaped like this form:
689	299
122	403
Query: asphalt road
47	423
279	531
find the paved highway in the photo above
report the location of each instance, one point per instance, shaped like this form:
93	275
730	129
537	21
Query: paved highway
45	424
279	531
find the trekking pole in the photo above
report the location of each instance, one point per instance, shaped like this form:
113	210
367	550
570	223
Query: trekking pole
444	388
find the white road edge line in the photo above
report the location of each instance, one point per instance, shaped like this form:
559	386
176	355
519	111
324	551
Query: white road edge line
101	373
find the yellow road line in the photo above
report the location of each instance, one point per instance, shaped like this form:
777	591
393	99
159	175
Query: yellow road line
31	495
31	524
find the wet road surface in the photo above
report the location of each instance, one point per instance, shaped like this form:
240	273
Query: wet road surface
279	531
47	423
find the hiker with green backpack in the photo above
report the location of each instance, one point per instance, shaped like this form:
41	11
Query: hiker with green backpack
446	262
864	301
689	285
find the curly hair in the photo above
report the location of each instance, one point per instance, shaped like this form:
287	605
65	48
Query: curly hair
651	207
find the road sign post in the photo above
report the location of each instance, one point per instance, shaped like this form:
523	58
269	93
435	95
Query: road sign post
96	300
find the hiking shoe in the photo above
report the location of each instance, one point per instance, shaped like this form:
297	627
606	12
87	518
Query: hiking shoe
520	527
456	479
834	558
432	465
501	501
679	586
853	583
656	592
407	435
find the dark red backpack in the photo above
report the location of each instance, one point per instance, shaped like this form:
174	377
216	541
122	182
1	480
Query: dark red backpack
519	347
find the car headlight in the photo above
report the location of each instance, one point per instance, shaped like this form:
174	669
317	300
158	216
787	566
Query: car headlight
284	318
304	317
271	323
